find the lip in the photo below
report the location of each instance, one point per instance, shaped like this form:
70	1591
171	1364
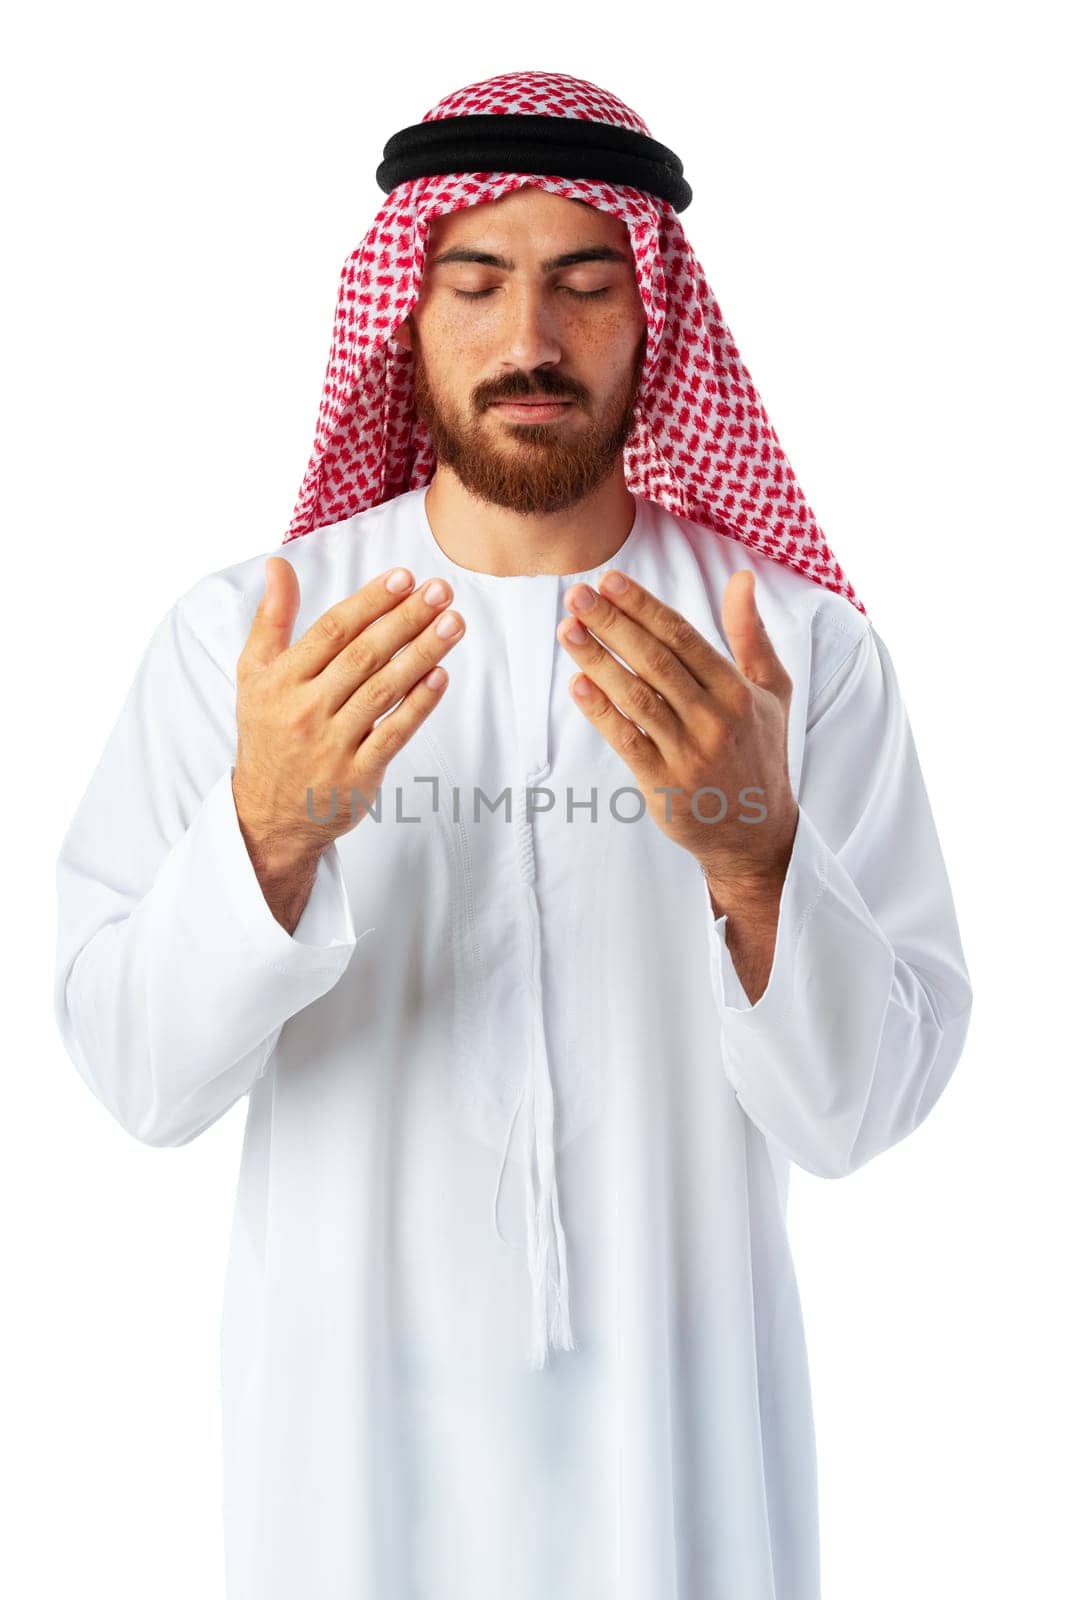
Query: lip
536	411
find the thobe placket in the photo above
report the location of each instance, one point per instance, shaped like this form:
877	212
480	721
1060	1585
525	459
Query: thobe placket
532	615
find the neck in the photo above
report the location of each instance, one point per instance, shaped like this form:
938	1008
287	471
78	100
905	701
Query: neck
488	538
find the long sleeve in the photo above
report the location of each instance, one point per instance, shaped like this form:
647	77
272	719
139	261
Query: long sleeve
173	978
868	1003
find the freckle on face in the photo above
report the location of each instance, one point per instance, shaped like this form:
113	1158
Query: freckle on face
460	352
530	467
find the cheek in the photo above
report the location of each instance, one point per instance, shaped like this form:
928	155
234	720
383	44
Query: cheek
459	346
609	346
455	343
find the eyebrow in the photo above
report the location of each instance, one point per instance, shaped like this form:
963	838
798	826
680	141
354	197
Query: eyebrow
572	258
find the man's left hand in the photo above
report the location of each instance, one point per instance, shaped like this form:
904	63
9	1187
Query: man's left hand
686	718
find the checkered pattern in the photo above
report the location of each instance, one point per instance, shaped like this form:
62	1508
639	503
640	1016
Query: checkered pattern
702	444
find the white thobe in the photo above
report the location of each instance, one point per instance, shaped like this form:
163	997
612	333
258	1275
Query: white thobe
479	1012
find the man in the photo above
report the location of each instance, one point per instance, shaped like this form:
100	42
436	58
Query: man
653	907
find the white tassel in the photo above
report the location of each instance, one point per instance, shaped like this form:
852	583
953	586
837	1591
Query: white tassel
550	1284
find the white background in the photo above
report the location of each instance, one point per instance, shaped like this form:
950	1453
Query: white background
876	211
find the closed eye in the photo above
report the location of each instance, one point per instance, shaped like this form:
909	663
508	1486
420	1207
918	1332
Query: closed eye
479	294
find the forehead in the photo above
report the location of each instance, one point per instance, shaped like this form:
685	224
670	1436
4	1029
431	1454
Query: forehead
532	217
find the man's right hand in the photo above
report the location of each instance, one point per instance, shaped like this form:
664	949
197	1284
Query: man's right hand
306	712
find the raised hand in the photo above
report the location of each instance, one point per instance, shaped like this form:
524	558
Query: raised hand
322	714
687	719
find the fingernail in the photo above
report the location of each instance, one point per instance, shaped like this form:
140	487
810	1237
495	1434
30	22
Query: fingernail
448	625
582	597
613	583
435	593
397	580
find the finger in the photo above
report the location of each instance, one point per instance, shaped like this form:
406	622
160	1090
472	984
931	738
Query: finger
271	628
632	694
393	731
709	667
649	656
370	697
339	625
752	647
378	643
635	748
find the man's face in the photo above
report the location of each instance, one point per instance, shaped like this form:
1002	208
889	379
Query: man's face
514	324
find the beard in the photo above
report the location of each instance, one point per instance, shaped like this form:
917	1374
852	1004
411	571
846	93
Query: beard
543	466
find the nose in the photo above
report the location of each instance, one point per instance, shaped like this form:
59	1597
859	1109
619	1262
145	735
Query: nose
531	339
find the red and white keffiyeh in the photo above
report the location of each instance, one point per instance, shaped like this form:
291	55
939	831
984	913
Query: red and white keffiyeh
702	444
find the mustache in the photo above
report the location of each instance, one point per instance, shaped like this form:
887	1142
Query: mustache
522	388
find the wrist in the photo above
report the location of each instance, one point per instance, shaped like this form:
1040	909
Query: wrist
750	894
281	857
278	851
750	887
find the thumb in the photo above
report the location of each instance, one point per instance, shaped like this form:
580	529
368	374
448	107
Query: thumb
271	630
752	647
